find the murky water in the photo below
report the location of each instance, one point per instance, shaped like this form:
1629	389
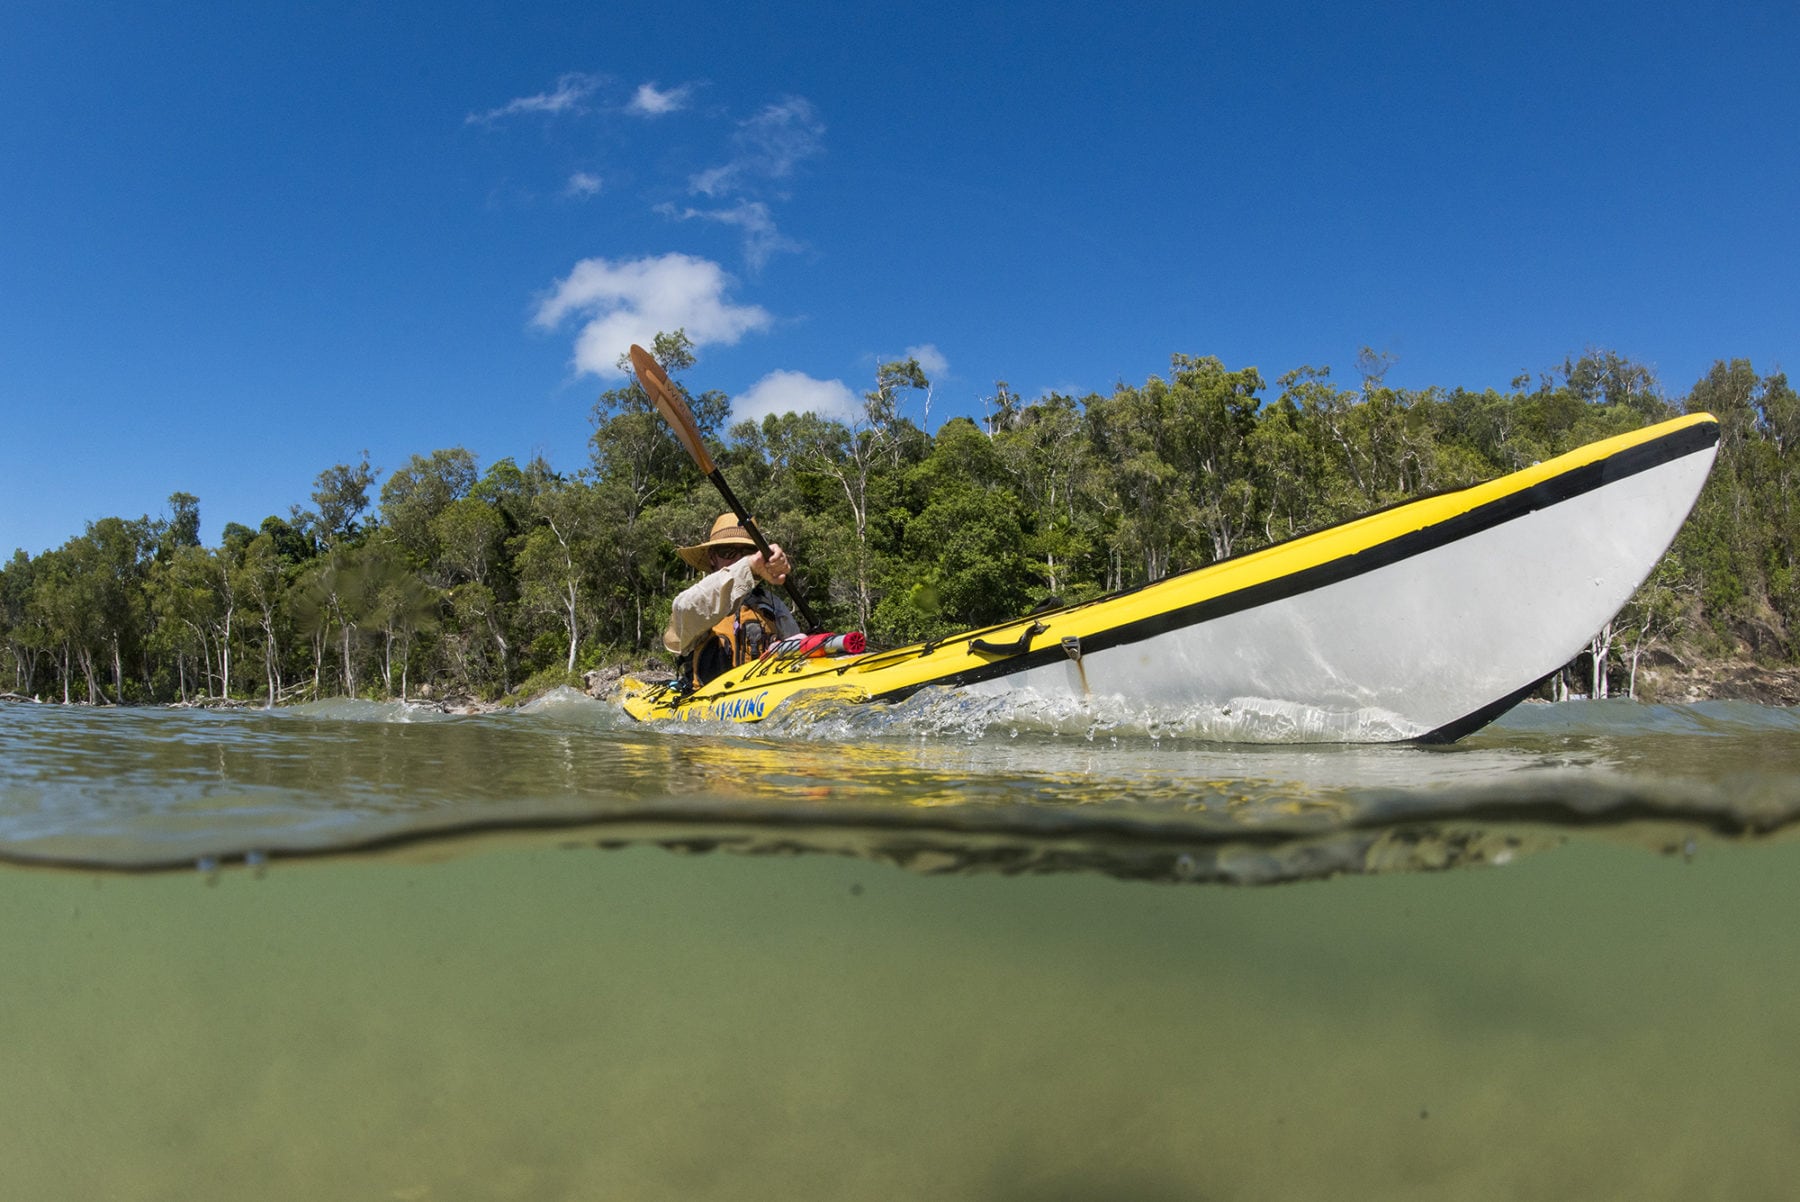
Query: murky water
1001	961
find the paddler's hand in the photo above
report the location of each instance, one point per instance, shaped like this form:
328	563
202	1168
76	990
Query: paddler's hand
775	568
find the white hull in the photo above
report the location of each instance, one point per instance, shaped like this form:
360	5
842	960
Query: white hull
1409	648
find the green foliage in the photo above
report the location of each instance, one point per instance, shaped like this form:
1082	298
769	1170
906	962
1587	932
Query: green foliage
419	491
510	581
183	527
342	493
961	543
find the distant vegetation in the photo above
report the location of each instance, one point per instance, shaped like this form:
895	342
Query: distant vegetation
450	580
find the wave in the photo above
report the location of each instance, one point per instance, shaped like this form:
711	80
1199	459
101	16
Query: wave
561	702
1623	716
941	713
937	713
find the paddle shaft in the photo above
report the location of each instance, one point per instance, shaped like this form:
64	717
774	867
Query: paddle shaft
762	544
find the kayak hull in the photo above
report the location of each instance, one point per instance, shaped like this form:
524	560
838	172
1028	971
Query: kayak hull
1422	621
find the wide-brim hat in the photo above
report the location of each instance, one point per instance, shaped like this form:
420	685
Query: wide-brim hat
725	533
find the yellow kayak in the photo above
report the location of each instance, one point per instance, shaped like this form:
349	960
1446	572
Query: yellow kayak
1423	621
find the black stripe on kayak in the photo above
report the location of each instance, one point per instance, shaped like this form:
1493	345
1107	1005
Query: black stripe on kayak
1573	483
1468	724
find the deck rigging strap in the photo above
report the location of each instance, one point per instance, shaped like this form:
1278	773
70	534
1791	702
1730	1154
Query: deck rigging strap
1018	646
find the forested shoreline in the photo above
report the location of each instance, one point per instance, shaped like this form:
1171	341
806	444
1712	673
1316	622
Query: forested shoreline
447	580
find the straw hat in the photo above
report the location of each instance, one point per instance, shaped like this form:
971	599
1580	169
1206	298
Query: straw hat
725	533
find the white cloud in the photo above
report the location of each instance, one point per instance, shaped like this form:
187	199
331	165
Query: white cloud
648	101
930	359
570	91
714	180
634	300
766	146
761	238
582	185
796	392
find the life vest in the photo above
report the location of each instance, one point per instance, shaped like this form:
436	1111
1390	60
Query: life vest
736	639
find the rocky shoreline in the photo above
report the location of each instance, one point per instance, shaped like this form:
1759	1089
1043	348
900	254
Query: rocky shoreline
1676	684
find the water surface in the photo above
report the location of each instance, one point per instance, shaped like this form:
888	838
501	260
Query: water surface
365	951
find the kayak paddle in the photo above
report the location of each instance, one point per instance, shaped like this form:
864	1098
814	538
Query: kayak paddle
674	410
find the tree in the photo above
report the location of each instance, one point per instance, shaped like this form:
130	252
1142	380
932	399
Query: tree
1049	464
1382	448
114	558
309	603
1213	414
195	606
1653	612
342	494
26	640
1179	454
421	489
291	543
964	564
1004	409
1606	377
854	456
512	489
471	533
335	598
59	606
259	579
183	526
1295	474
553	559
235	537
396	603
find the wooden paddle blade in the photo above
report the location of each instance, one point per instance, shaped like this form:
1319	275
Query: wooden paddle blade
668	402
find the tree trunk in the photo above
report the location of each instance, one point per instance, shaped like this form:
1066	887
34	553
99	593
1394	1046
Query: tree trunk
500	642
269	665
87	672
349	671
205	656
1601	648
225	653
574	627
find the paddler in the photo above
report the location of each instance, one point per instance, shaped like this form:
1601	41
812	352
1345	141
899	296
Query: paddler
729	617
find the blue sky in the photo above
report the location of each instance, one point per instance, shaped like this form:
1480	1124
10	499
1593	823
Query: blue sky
240	243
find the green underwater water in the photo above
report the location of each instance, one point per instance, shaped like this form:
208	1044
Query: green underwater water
983	963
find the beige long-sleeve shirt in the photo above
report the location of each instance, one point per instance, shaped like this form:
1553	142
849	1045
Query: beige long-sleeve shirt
699	607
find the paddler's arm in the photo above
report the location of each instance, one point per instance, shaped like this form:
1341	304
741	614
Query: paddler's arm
699	607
